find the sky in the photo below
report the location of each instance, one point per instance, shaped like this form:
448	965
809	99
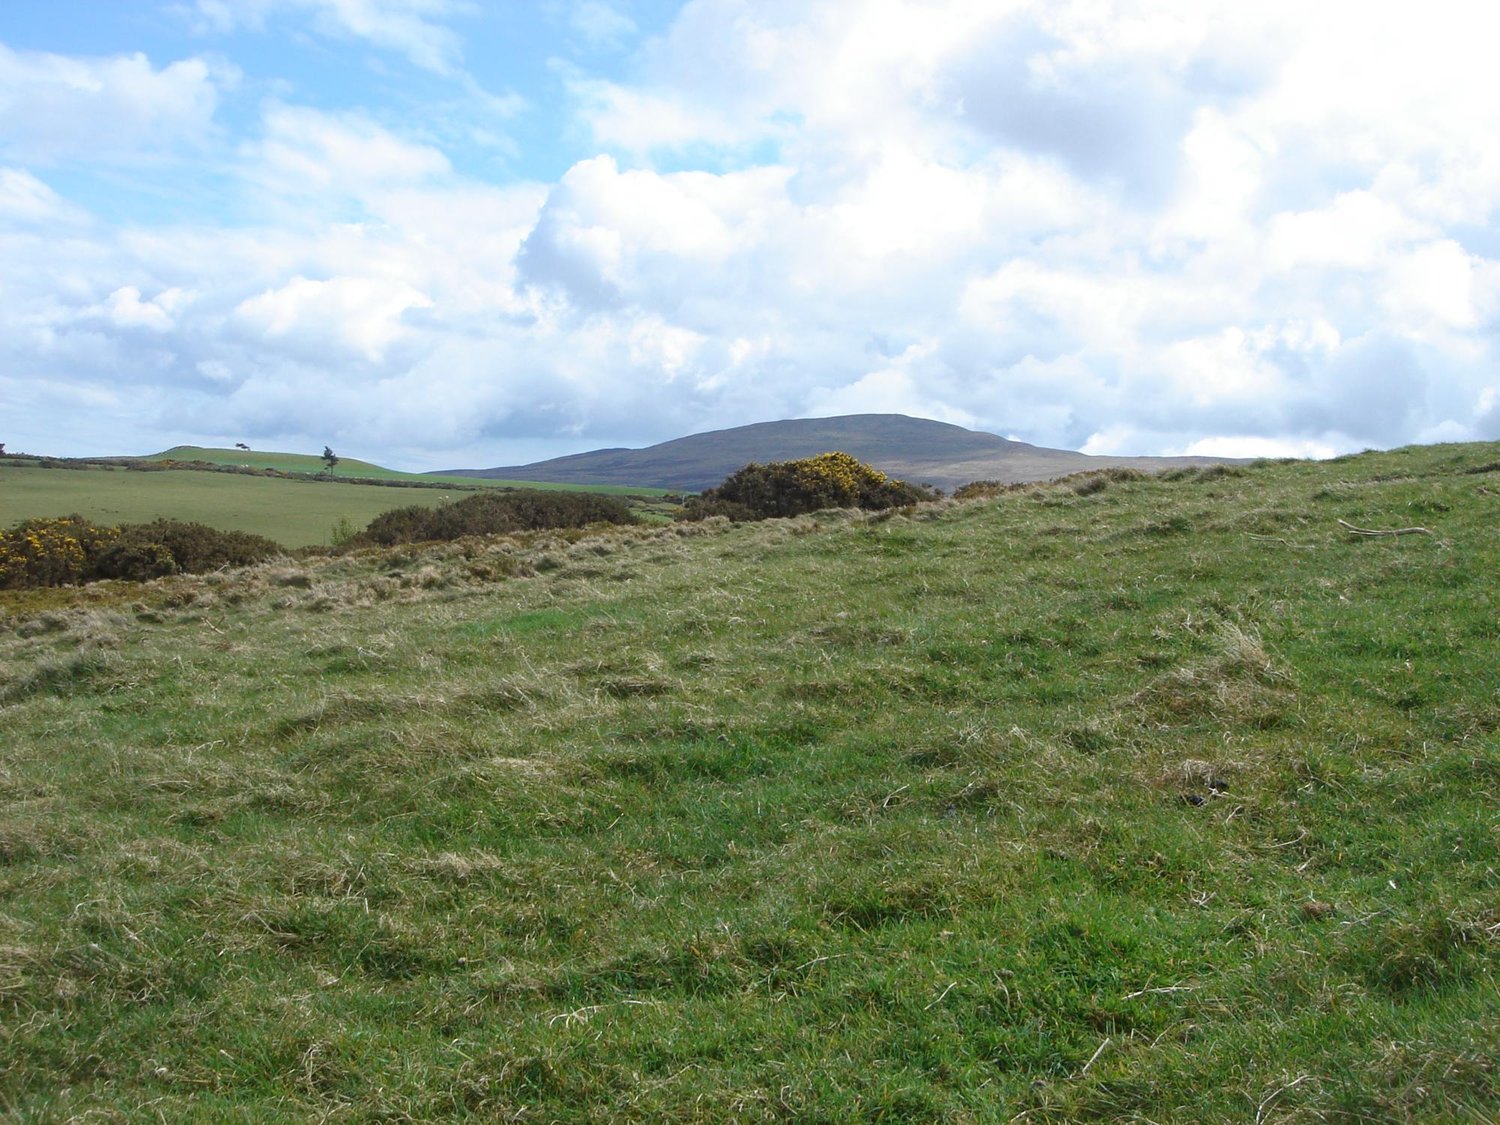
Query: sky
453	233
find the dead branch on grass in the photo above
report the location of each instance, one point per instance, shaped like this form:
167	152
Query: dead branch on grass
1349	527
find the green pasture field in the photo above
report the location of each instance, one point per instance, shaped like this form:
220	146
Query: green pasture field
1113	799
292	513
364	470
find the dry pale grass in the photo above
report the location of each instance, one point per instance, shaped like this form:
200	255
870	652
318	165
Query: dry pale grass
41	828
334	584
1238	681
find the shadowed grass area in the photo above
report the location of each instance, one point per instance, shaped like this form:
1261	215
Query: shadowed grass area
1115	799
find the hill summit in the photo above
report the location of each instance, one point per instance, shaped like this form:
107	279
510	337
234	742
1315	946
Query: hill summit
918	450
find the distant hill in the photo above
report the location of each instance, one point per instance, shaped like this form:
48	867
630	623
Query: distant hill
350	469
914	449
282	462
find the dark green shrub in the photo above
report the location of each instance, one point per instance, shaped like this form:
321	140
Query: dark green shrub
492	513
791	488
142	551
400	525
137	561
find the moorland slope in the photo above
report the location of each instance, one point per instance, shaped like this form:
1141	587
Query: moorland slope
1115	798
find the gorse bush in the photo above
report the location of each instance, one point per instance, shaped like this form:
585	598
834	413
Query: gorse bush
492	513
69	550
791	488
50	552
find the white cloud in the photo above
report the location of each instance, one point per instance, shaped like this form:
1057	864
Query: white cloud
1259	447
413	28
309	153
26	199
638	121
1355	232
906	205
1432	288
125	308
57	107
1142	226
895	389
605	232
600	23
666	347
362	313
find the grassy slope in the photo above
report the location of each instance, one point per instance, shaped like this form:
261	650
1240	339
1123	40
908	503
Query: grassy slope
1168	800
365	470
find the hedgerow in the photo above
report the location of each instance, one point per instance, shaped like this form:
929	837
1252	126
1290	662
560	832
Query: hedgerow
791	488
491	513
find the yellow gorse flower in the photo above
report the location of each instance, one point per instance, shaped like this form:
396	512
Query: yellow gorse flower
49	552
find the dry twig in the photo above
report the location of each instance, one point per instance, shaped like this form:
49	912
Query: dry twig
1095	1056
1164	989
1260	1110
939	1000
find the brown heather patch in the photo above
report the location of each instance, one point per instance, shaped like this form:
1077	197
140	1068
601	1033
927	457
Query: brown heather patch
322	584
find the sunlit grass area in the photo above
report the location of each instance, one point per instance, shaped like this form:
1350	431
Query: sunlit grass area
1118	798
